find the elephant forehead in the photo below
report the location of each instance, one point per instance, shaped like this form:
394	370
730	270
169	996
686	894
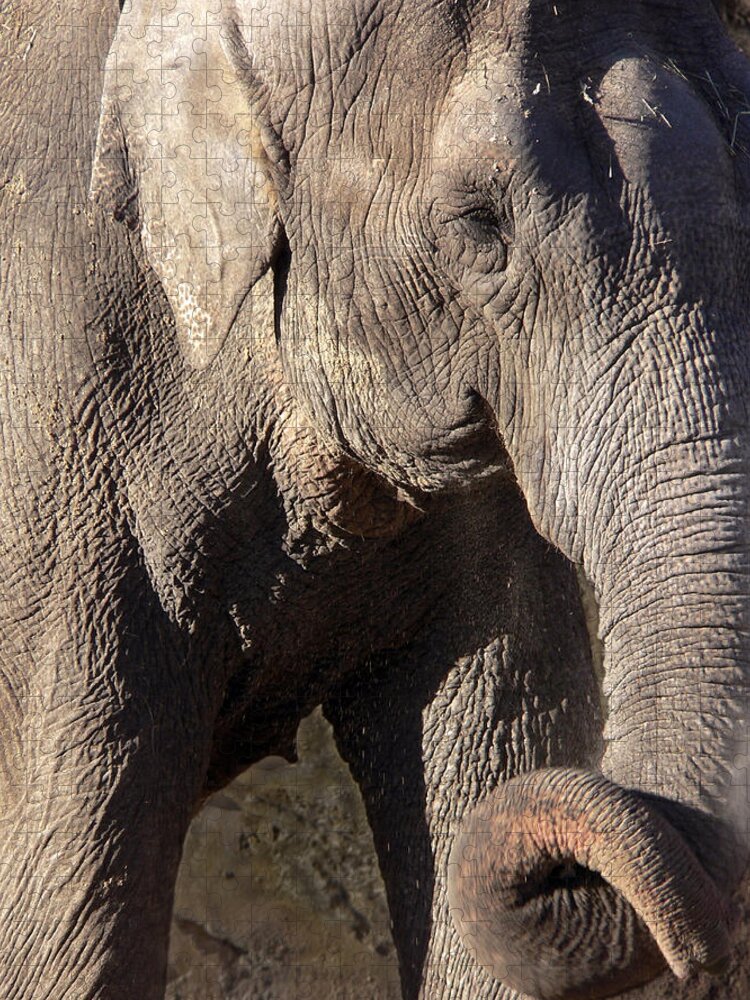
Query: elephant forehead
654	117
486	107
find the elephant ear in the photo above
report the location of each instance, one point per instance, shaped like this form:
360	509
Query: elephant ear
182	155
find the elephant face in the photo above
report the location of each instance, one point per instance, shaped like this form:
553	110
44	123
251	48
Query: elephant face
473	250
505	235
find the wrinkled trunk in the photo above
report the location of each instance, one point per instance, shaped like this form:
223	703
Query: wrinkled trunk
675	630
568	885
635	464
545	848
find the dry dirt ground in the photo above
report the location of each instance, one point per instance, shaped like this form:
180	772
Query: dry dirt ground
279	895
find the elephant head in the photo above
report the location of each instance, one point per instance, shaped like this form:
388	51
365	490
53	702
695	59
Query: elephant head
505	238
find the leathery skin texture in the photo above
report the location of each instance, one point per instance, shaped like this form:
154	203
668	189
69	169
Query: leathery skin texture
339	344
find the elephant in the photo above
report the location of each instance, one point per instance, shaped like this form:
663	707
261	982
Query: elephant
389	357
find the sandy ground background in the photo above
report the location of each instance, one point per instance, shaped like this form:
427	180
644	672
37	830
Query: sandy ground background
279	895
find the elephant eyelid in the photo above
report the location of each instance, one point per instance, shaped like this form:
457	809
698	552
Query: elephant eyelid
485	225
483	217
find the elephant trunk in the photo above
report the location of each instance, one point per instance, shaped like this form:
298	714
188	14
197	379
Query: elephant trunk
547	873
575	886
673	617
633	459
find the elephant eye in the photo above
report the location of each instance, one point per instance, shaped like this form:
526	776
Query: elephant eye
481	241
474	240
482	226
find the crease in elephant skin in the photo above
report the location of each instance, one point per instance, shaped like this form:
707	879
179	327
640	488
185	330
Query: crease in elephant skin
591	615
464	307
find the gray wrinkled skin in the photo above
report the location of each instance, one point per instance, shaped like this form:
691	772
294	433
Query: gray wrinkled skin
337	337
